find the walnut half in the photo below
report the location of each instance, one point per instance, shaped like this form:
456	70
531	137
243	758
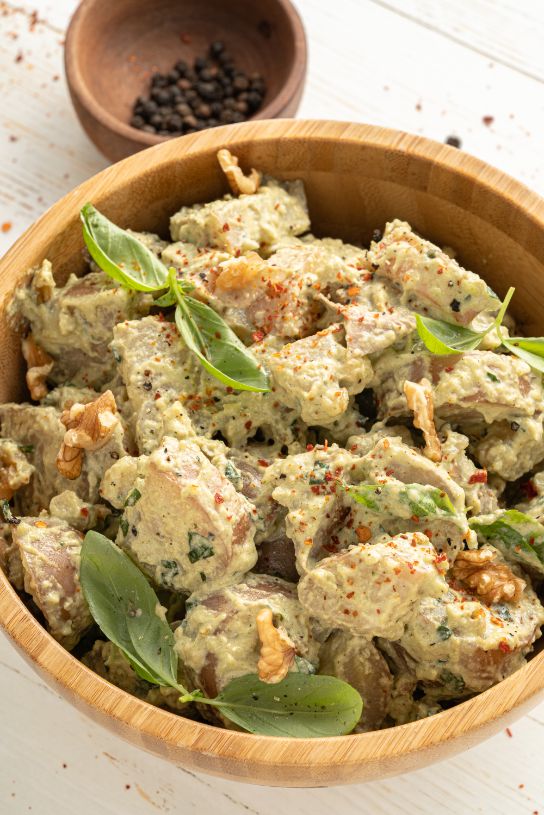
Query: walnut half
277	650
492	581
419	396
239	183
88	427
40	365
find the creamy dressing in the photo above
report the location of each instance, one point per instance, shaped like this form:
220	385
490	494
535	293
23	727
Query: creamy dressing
316	499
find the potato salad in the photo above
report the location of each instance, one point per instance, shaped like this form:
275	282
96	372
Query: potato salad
318	459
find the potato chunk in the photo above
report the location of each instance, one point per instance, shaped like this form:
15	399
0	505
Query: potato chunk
370	590
476	384
459	645
218	639
316	375
185	523
246	222
430	280
75	325
357	661
50	553
40	430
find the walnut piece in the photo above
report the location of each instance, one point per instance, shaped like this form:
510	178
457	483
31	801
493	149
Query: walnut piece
419	396
492	581
277	649
40	365
43	282
239	183
15	471
88	427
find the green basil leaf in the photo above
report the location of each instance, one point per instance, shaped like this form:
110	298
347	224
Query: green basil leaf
530	350
421	499
166	300
120	255
218	348
124	605
300	706
518	536
440	337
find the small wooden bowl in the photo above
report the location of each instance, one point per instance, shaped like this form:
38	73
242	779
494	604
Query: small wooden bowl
113	47
356	178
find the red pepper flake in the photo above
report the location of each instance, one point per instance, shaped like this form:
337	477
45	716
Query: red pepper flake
84	512
350	594
488	120
157	395
449	369
218	498
315	489
309	447
263	462
505	648
248	424
509	734
257	336
226	227
6	226
229	389
479	477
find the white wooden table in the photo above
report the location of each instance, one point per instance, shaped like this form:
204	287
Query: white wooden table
470	68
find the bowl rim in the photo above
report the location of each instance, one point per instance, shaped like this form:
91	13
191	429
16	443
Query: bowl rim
154	724
79	88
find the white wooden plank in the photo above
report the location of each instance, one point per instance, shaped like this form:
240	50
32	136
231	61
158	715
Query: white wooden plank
506	31
411	64
45	734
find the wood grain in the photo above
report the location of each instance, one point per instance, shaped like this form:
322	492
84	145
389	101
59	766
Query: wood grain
355	176
112	49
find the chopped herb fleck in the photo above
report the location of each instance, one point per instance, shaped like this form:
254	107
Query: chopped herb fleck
9	517
133	498
199	546
492	377
444	632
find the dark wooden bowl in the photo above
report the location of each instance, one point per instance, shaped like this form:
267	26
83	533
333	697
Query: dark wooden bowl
113	46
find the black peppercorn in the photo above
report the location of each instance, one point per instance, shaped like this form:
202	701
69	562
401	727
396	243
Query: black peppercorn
455	305
217	48
514	426
189	98
453	141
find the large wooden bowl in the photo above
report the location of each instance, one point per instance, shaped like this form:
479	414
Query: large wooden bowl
356	178
113	47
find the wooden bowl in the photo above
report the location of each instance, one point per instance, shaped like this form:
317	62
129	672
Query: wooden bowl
112	48
356	178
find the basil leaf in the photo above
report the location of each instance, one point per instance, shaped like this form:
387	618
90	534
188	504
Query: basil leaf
440	337
421	499
300	706
166	300
120	255
125	607
218	348
518	536
530	350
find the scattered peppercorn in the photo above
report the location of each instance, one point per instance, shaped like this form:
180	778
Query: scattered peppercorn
455	305
454	141
187	99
